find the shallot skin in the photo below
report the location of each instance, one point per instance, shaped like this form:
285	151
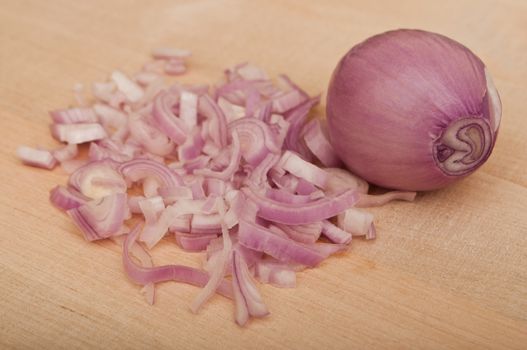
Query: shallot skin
412	110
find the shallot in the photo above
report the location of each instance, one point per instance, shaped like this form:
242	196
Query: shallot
412	110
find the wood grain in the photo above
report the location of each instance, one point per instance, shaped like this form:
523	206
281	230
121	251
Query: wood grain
447	272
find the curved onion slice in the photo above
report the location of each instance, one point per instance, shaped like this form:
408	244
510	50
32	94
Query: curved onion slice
296	214
256	139
218	124
166	120
97	179
261	239
369	200
101	218
179	273
216	276
246	297
139	169
146	260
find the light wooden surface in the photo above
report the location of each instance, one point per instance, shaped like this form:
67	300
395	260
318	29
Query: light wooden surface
448	271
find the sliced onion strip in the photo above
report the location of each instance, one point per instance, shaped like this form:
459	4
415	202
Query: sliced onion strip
296	214
246	296
261	239
179	273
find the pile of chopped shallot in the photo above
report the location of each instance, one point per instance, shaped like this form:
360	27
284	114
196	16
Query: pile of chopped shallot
234	170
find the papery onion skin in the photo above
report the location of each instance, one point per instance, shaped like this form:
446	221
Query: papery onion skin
412	110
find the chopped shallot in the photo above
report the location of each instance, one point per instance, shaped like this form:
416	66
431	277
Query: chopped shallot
36	157
231	171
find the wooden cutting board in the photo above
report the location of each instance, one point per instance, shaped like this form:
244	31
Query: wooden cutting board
448	271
